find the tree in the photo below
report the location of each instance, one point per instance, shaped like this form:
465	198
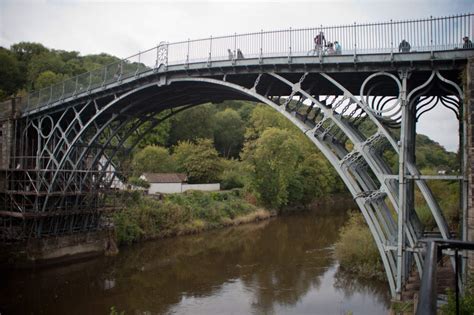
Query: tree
152	159
262	118
24	51
44	62
157	136
192	124
274	164
317	180
11	79
228	132
200	161
47	78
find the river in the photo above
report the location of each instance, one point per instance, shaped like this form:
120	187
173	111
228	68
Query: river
284	265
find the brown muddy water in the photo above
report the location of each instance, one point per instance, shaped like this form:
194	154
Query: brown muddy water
285	265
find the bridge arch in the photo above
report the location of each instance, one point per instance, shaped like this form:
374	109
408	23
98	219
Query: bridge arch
87	132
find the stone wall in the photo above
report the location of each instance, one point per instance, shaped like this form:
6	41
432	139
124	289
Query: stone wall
8	112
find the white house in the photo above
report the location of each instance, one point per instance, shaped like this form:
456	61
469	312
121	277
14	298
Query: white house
169	183
164	182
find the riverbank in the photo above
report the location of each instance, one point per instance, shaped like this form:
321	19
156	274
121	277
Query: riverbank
147	217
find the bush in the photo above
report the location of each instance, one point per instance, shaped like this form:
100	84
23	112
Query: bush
138	182
466	304
189	212
356	249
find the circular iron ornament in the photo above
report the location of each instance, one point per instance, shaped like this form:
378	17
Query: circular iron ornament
46	122
162	54
368	99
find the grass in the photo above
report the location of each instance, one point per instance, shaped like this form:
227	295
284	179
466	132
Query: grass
178	214
356	249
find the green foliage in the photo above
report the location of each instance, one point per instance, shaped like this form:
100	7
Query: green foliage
137	181
157	136
233	174
466	305
152	159
192	124
431	155
228	132
262	118
200	161
47	78
356	249
43	62
316	178
11	79
447	194
178	213
24	51
274	161
113	311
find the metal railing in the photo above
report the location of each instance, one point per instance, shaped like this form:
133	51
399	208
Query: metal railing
427	303
431	34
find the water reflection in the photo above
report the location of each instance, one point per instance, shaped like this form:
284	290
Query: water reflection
284	265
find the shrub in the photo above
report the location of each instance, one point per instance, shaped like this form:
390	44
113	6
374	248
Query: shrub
190	212
356	249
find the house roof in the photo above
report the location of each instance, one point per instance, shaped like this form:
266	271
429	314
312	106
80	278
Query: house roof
165	177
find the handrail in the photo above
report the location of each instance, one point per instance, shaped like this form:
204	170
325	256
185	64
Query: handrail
429	34
428	294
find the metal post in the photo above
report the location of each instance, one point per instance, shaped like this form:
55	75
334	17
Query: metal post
187	54
431	34
261	45
465	181
391	36
167	52
402	191
90	81
139	60
105	76
75	88
235	45
456	272
64	87
289	48
157	56
210	51
355	41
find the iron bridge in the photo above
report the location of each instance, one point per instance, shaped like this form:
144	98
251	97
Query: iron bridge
357	107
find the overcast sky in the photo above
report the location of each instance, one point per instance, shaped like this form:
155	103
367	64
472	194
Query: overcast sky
122	28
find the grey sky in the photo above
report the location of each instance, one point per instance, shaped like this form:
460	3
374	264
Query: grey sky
122	28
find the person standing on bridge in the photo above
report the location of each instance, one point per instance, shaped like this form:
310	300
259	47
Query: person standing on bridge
319	43
240	55
231	54
467	43
338	48
404	46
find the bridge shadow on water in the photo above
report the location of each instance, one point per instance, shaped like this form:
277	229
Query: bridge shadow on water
283	265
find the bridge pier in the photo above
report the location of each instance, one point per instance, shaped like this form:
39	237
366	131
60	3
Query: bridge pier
21	248
57	249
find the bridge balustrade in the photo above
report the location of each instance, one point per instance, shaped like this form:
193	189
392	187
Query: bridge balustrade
431	34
